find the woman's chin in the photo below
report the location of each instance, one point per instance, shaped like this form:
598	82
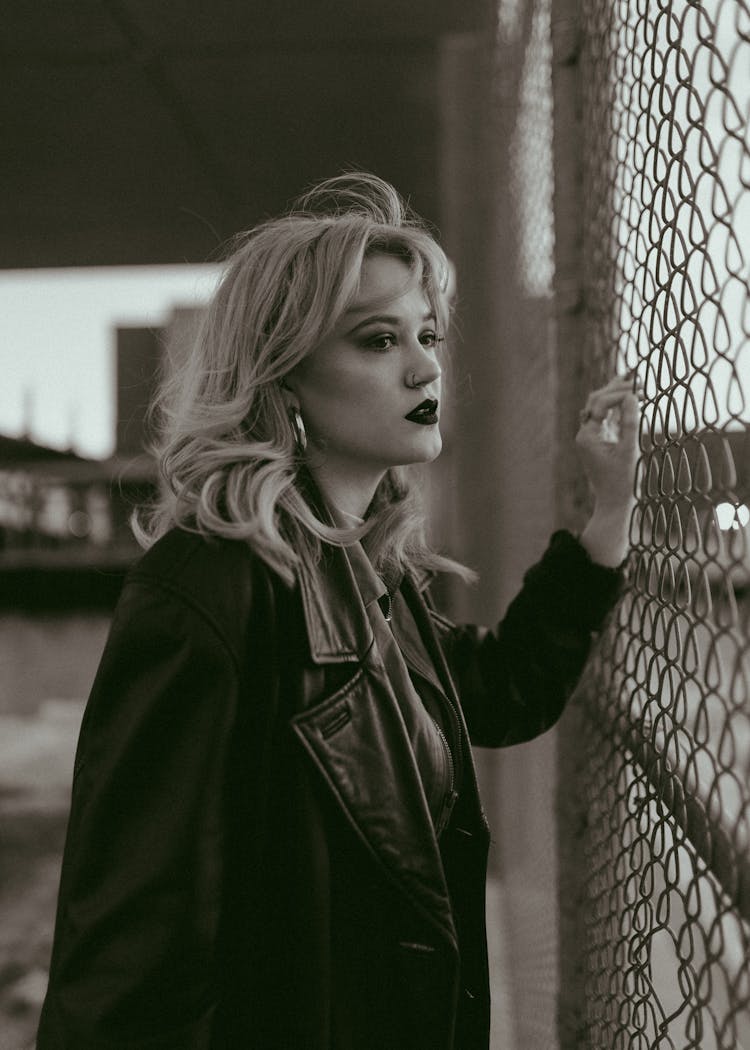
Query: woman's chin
429	449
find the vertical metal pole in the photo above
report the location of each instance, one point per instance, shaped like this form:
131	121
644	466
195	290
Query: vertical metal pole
570	322
467	219
568	210
505	420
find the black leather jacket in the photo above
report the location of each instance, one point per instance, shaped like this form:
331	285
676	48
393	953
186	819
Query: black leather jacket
250	862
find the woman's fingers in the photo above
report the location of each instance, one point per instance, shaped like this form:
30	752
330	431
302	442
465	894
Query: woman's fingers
629	412
617	393
611	416
601	401
607	442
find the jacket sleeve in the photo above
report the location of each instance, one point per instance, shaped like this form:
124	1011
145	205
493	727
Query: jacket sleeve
513	681
135	951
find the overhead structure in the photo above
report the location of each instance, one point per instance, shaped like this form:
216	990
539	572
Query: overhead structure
138	132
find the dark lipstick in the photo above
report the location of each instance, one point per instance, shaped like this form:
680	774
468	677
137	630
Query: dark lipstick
425	412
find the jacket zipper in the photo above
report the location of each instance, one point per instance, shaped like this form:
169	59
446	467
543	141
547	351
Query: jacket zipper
451	795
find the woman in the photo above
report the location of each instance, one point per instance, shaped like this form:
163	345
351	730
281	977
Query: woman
276	839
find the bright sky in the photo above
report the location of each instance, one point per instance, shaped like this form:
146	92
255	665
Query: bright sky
57	344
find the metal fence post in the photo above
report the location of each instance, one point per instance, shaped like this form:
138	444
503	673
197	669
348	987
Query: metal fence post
570	493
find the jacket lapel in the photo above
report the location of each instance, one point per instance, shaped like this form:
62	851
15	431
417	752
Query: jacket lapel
436	669
412	646
357	740
420	612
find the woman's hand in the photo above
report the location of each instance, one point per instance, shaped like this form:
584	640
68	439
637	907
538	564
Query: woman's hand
607	443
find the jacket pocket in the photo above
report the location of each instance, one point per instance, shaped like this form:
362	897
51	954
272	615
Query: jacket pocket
334	712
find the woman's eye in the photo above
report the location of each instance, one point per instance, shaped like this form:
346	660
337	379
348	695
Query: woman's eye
380	342
431	339
386	341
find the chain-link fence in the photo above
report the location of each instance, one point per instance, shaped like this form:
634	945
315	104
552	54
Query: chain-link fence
655	754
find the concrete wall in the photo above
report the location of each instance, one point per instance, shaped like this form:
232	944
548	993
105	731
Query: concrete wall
52	657
501	506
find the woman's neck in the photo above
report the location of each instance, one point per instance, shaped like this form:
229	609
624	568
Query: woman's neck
351	496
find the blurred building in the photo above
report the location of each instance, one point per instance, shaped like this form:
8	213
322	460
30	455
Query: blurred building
65	535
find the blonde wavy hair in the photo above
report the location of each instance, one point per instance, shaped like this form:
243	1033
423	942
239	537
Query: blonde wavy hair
224	443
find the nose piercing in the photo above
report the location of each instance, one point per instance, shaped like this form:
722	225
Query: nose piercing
412	380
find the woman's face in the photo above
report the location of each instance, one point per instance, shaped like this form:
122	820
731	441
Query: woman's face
356	390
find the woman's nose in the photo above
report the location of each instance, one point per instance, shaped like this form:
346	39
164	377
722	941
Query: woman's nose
423	366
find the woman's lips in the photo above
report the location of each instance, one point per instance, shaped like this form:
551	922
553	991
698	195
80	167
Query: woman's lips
425	413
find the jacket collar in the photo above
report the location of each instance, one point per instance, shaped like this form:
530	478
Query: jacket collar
335	596
338	628
371	586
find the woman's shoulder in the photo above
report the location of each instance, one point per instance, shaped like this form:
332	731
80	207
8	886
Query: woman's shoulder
182	555
222	579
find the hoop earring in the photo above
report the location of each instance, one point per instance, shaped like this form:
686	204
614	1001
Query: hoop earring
298	429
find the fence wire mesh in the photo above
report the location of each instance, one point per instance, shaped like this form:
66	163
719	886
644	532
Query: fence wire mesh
660	754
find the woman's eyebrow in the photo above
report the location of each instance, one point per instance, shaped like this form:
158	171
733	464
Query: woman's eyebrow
386	319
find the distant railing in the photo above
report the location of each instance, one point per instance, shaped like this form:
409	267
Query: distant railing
70	512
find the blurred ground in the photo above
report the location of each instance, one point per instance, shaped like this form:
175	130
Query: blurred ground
36	765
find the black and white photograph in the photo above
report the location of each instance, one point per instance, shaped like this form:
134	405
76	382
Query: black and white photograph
375	525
